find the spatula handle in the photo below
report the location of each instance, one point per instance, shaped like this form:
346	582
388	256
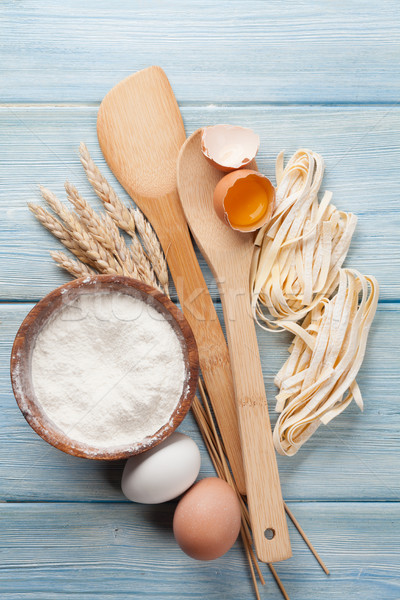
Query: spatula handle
199	310
264	495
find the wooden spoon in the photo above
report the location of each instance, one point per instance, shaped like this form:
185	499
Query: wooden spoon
229	254
140	132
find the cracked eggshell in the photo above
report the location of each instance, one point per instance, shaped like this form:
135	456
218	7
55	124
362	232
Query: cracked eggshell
228	182
229	147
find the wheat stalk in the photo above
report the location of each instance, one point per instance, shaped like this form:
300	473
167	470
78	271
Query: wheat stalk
96	248
125	219
70	219
143	264
121	250
104	261
95	239
78	241
74	235
75	225
58	229
88	217
75	267
112	203
103	230
153	249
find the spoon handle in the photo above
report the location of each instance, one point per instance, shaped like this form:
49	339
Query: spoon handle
264	495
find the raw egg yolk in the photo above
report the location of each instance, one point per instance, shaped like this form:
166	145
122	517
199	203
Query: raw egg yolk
246	202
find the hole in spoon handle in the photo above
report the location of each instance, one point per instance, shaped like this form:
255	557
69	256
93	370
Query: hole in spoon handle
269	533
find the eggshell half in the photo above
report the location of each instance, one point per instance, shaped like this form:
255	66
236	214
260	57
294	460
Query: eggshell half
229	147
207	519
162	473
227	182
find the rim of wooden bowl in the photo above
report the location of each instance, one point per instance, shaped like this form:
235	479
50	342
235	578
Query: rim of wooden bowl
21	355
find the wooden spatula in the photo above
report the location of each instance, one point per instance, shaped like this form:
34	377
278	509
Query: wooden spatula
228	254
140	131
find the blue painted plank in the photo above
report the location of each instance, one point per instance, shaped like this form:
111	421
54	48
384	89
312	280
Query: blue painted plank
66	551
298	51
356	457
359	144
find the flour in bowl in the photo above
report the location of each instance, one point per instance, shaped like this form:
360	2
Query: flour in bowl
108	369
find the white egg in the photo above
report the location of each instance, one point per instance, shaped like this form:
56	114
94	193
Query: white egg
162	473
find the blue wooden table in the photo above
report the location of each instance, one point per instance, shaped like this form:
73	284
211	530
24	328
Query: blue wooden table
320	75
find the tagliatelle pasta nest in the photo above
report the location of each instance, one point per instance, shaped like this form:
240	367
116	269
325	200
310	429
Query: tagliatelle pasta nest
298	254
317	382
296	268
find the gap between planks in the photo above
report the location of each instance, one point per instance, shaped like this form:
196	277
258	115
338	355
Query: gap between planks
244	104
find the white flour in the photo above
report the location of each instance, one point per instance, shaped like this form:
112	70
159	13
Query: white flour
108	369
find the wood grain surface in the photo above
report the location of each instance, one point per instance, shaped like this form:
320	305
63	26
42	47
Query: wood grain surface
39	144
67	550
302	74
212	52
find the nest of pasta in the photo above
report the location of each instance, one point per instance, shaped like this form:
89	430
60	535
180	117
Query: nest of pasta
296	270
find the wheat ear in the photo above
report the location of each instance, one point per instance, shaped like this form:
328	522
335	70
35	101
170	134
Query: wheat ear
88	217
143	264
121	250
75	267
70	219
75	236
121	214
112	203
58	229
104	261
103	230
153	249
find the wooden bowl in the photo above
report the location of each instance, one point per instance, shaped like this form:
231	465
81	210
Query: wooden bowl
24	342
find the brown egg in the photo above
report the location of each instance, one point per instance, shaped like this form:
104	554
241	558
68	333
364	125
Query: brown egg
244	200
207	519
229	147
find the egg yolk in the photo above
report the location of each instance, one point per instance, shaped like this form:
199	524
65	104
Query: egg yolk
246	202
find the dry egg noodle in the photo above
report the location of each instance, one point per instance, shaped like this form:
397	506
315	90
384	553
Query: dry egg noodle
298	254
317	382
